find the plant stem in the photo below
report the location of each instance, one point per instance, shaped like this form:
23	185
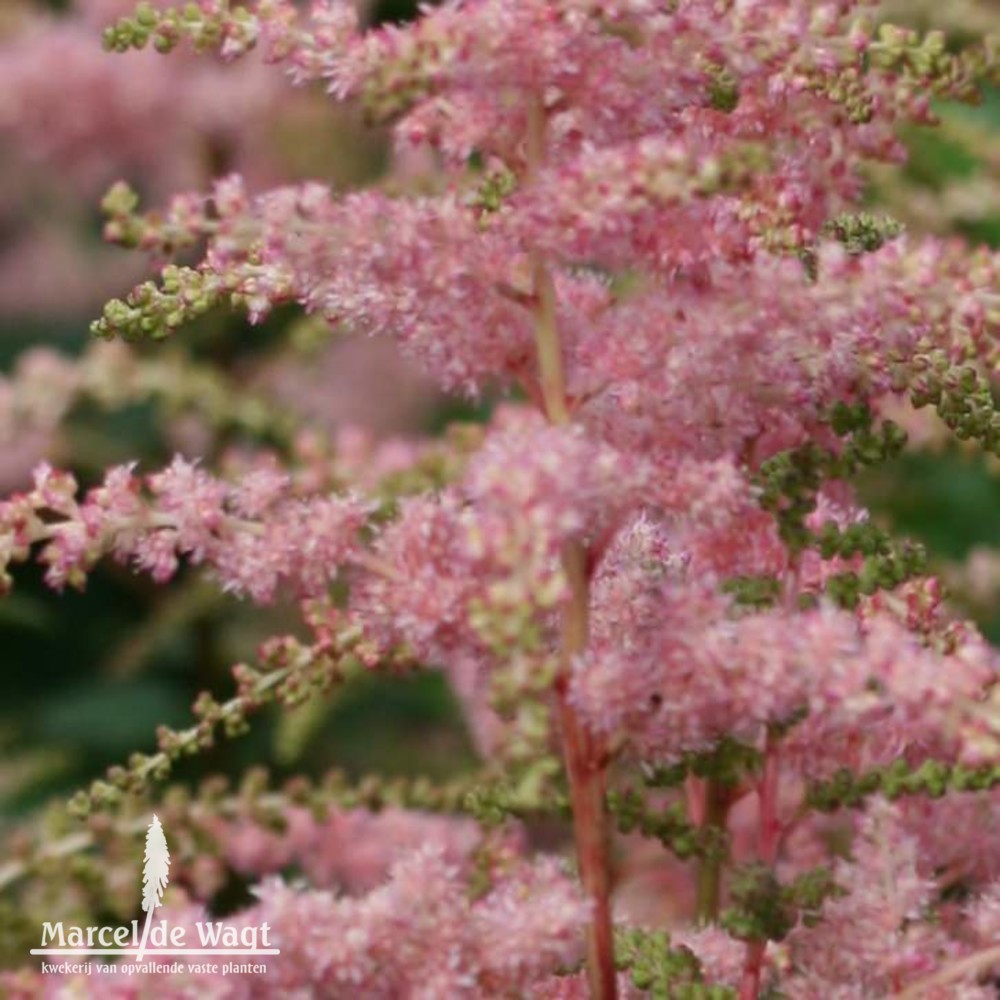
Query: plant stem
547	346
978	963
587	775
585	762
585	766
716	811
548	349
769	834
752	965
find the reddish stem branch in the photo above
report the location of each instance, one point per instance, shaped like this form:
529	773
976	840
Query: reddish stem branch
977	964
770	826
713	802
587	787
752	966
586	770
769	838
586	763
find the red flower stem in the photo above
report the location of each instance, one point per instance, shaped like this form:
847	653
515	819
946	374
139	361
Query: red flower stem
586	764
713	812
586	767
587	773
769	837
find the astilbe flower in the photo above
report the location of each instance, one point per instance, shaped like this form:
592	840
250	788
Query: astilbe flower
247	531
674	667
639	222
492	540
416	285
773	348
417	935
874	940
973	859
350	849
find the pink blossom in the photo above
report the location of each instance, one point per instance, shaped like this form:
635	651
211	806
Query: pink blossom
630	217
187	513
381	944
874	938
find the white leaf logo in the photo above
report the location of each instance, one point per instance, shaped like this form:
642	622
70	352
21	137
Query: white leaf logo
155	873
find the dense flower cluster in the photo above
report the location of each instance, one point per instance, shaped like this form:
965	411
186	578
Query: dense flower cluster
526	923
248	531
635	218
872	937
692	672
